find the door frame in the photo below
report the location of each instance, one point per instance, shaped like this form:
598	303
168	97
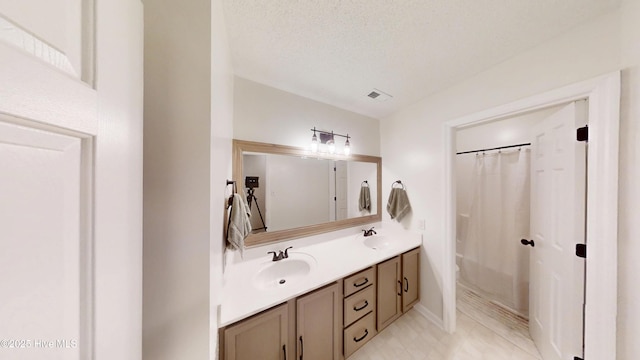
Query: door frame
603	94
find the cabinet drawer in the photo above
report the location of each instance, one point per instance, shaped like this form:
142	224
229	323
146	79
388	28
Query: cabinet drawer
359	334
359	281
359	304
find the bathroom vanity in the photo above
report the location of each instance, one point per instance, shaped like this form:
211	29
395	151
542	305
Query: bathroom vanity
324	299
323	302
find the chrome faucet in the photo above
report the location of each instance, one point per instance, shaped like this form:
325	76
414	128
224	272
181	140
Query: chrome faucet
369	232
280	254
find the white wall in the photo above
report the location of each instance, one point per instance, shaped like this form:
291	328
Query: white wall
266	114
298	192
222	82
177	180
629	192
584	52
357	173
629	210
118	181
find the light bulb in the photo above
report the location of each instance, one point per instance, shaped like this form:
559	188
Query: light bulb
331	146
314	143
347	147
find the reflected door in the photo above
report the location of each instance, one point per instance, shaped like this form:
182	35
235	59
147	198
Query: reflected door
342	187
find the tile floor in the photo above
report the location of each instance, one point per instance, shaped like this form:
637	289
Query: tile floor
478	336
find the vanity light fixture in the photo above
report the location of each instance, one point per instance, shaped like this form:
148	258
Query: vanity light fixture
328	138
347	146
314	141
331	145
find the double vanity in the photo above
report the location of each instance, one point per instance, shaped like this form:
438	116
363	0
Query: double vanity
325	297
321	301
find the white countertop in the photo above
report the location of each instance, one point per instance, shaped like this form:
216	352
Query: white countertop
334	260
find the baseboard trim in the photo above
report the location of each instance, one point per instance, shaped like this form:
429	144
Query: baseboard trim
422	310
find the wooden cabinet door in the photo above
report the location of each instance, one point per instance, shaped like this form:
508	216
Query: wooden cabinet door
389	292
319	324
410	279
263	336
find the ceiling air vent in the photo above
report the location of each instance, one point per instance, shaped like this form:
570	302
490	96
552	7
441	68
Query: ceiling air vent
379	95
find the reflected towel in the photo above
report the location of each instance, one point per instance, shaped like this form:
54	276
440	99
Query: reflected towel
240	225
364	202
398	205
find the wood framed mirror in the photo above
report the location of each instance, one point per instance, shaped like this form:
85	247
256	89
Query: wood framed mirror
294	193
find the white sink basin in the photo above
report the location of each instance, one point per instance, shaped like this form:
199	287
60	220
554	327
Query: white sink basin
377	242
274	274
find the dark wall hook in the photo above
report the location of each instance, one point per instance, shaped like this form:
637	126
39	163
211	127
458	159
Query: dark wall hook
528	242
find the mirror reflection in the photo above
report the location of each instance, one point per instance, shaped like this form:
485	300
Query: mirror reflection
286	192
294	193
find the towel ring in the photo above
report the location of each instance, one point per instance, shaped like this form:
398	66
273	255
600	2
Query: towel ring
398	182
364	183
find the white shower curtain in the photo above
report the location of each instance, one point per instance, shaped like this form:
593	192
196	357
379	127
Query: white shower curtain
494	260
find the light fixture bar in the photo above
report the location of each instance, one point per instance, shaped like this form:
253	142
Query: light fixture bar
329	133
326	137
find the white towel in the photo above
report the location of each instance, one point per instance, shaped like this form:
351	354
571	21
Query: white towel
240	225
398	205
364	202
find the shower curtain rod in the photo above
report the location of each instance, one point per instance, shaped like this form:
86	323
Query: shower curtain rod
496	148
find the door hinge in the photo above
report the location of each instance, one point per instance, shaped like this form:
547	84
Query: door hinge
581	250
582	134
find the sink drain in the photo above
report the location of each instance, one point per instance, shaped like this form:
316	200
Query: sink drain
282	281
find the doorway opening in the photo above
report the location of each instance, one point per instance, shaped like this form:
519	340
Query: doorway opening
493	246
603	95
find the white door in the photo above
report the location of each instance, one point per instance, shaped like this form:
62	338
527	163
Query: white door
557	223
48	116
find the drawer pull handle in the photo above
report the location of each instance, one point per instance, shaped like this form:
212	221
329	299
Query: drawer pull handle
366	280
406	286
301	348
366	332
284	350
399	288
366	303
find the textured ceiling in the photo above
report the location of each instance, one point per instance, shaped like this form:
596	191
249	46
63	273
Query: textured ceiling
337	52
